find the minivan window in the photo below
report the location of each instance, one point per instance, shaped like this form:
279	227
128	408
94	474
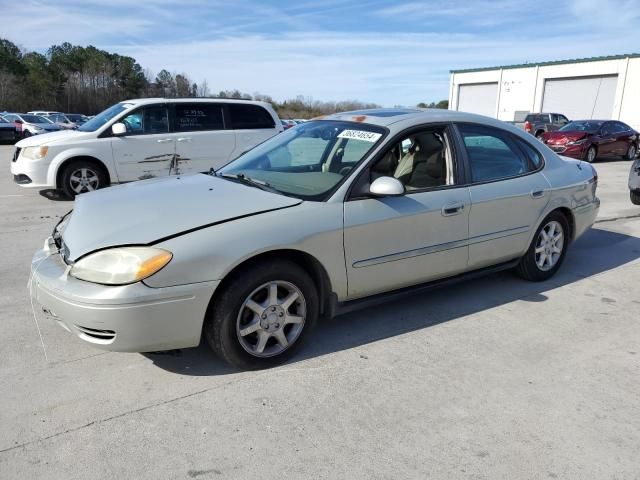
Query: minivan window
492	154
192	117
147	121
247	116
103	117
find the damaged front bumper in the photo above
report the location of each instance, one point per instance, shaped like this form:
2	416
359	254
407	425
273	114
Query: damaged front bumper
128	318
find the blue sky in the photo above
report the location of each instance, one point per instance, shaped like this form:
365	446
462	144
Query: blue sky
391	53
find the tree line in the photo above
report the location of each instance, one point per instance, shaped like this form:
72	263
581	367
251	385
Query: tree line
76	79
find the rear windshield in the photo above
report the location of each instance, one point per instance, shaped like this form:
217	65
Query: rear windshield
590	126
33	119
537	118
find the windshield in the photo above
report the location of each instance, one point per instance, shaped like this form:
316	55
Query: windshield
103	117
308	160
590	126
76	117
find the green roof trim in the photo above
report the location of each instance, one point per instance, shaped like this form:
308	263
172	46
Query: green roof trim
545	64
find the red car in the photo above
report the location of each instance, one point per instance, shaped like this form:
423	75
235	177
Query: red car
589	139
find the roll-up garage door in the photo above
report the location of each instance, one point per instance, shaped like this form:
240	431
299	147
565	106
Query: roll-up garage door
478	98
580	98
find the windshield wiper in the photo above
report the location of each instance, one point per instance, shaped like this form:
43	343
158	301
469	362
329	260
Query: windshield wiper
248	181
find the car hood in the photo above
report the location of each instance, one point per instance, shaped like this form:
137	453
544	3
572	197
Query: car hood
560	138
144	212
54	137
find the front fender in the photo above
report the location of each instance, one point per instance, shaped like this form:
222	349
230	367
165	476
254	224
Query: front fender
103	155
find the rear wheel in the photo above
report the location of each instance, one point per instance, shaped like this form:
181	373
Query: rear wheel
547	250
82	176
631	152
262	315
591	154
635	196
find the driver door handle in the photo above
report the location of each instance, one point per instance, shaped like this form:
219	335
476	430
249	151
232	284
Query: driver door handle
537	194
452	209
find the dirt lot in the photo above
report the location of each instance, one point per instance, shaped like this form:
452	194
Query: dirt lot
494	378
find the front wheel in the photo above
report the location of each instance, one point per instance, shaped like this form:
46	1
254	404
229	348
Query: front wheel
82	176
631	152
547	250
591	154
635	196
262	315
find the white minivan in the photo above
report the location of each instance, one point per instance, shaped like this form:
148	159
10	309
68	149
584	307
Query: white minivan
143	138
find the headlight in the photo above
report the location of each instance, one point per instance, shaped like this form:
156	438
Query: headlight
577	142
121	265
35	153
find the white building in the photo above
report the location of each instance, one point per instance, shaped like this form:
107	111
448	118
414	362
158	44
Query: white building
598	87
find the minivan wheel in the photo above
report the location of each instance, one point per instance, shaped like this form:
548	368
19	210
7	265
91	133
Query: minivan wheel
82	176
547	250
262	315
591	155
631	152
635	196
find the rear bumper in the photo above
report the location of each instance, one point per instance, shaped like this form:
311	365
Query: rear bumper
585	216
129	318
634	176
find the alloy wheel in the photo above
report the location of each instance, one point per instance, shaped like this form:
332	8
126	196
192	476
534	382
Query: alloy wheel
591	154
84	179
271	319
549	246
631	153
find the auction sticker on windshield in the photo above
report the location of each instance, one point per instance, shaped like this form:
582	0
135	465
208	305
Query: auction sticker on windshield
360	135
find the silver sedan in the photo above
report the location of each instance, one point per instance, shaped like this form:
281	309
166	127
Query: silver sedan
333	214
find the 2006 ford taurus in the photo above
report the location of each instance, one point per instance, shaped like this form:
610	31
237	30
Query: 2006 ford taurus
331	214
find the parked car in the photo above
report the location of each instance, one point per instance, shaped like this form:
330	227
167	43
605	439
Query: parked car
539	123
589	139
77	118
8	131
144	138
634	182
43	113
28	125
287	124
332	215
62	121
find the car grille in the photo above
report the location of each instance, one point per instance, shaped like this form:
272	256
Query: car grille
16	154
95	335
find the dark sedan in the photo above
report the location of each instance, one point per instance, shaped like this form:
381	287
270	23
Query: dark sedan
589	139
8	131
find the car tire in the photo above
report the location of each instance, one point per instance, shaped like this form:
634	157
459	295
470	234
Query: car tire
26	134
631	152
80	176
539	134
635	196
547	250
246	304
591	155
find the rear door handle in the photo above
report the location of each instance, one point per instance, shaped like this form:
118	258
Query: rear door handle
164	140
452	209
537	194
185	139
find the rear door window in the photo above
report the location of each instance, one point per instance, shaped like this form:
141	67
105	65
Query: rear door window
249	117
493	154
194	117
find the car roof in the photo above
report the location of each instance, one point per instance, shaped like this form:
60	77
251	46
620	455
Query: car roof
388	116
145	101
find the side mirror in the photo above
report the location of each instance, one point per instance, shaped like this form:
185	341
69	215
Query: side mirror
386	187
118	129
